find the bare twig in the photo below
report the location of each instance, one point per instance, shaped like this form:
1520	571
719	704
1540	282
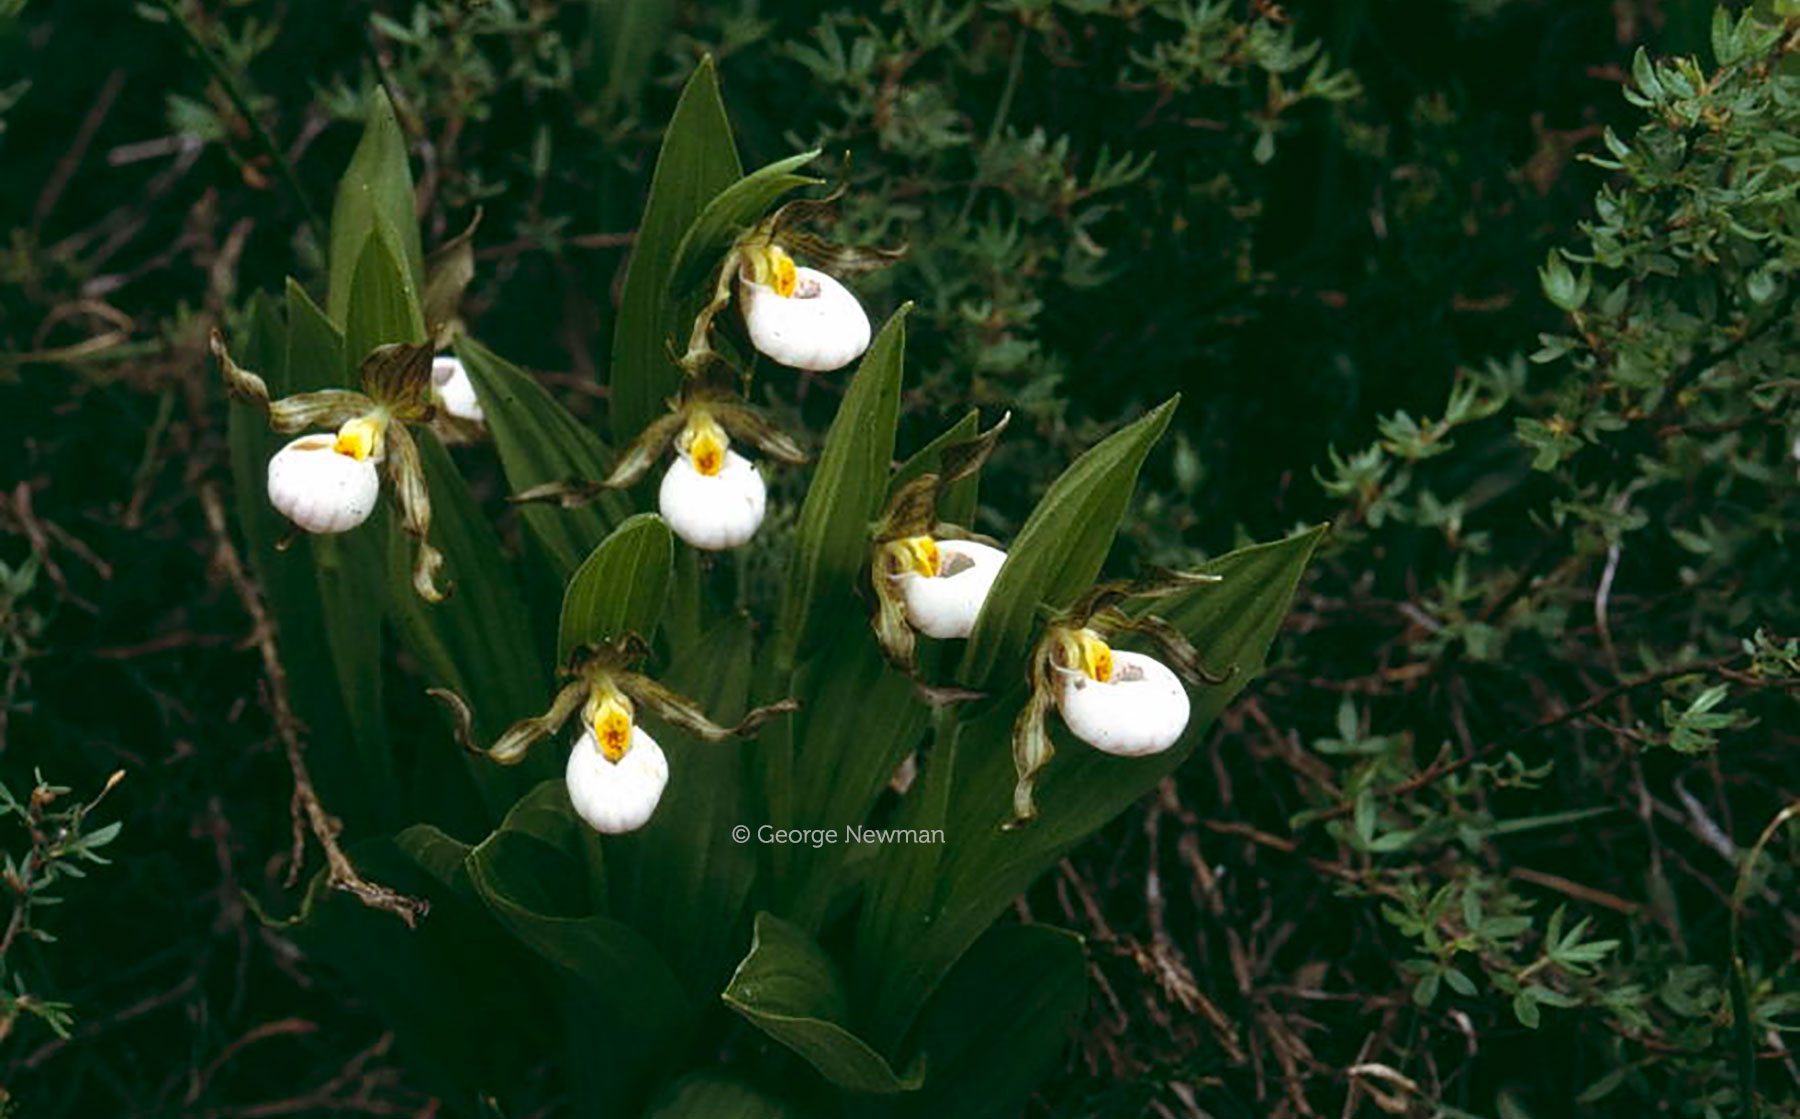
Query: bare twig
340	873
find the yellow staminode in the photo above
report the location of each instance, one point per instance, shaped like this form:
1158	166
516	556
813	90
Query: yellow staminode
703	441
609	714
921	555
359	438
1096	656
773	268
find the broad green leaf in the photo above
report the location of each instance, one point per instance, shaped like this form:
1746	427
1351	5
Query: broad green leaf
788	988
621	588
831	542
731	211
985	866
1058	552
685	860
858	720
384	305
478	642
537	893
315	349
1003	1015
697	161
712	1094
539	442
376	191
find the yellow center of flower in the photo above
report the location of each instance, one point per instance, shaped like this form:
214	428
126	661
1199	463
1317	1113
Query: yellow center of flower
360	438
704	442
920	554
773	268
1096	656
609	714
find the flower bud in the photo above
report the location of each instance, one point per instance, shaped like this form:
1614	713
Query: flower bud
808	322
616	796
721	509
944	594
1121	702
453	389
320	488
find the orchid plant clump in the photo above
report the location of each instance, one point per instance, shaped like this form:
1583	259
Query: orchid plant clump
620	890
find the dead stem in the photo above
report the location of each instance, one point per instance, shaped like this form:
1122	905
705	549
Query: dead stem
340	873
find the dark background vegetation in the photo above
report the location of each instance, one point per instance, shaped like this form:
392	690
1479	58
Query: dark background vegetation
1242	960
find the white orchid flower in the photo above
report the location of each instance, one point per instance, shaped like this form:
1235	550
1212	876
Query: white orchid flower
800	317
327	484
1120	702
712	497
945	582
452	389
616	772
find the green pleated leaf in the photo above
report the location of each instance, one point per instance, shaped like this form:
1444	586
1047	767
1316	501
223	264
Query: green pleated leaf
376	191
539	442
315	349
538	892
730	212
685	860
983	866
711	1094
859	720
698	160
1058	552
999	1022
384	301
477	643
788	988
621	588
831	542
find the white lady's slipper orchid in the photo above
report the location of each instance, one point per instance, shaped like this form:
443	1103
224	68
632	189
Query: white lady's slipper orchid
327	483
451	387
945	583
712	497
616	772
801	317
1120	702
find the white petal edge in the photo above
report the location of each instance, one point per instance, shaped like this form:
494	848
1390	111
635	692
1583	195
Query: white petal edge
1142	710
454	389
616	797
319	489
819	328
721	511
946	605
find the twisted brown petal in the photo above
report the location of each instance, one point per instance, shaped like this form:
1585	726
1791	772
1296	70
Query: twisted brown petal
645	450
750	425
681	712
325	408
408	476
513	744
